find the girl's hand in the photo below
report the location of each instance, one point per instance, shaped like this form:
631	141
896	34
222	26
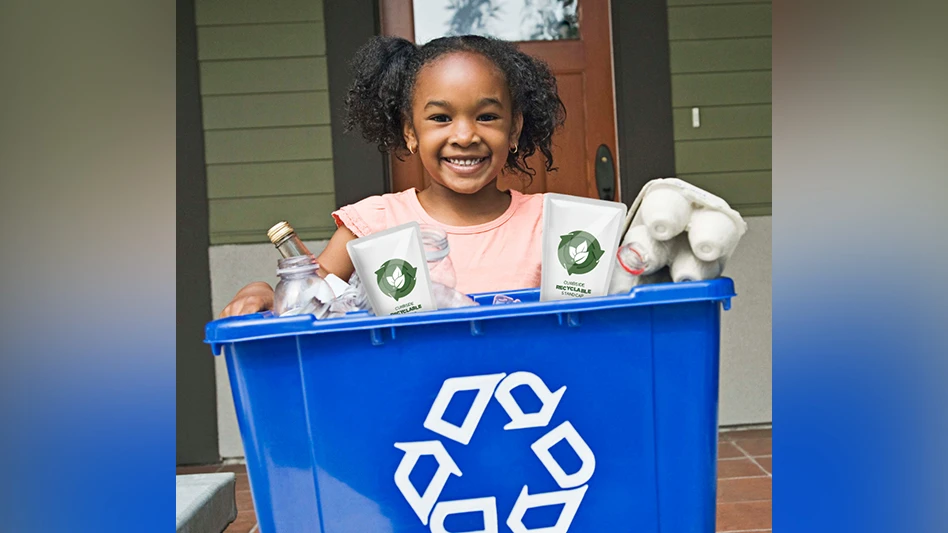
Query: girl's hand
256	297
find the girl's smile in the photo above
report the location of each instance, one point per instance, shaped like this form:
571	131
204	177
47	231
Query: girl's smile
466	166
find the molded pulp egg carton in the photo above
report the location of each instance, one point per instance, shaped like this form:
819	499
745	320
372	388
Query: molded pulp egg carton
688	233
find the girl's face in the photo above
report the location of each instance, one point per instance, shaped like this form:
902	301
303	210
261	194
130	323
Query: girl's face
462	121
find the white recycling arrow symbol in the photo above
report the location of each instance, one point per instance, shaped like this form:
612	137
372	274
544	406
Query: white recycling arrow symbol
486	506
500	386
518	419
423	503
569	498
542	450
484	385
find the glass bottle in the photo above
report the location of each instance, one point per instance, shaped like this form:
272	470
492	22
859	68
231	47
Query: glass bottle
437	250
284	238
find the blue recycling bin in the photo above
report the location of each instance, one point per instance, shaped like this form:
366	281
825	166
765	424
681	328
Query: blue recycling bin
589	415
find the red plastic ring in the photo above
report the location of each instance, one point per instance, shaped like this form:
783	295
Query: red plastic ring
634	272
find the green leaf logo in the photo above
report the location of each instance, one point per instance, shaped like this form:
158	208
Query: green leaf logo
396	278
579	252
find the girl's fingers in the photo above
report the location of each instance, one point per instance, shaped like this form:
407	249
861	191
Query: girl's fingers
234	308
243	306
249	306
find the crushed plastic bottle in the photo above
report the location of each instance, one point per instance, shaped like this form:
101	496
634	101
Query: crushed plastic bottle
352	299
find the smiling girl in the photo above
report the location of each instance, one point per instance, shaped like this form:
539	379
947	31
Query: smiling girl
468	107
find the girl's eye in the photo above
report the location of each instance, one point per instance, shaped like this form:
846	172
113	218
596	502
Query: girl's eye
487	118
440	118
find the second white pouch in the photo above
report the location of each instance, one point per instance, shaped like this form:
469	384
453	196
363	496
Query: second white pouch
580	238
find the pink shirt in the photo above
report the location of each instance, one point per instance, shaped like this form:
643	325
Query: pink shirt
500	255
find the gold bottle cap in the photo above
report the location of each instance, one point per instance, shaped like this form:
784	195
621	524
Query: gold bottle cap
279	232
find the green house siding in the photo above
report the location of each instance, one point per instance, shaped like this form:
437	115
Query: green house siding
720	52
265	108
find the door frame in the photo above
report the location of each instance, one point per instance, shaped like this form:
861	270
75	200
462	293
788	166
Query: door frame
359	169
643	93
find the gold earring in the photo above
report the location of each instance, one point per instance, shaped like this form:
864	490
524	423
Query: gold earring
411	150
514	149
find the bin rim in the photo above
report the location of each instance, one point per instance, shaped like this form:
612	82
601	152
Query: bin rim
264	325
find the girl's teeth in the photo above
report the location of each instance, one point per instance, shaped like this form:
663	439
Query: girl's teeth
465	162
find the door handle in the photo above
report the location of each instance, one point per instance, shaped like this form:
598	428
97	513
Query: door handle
605	173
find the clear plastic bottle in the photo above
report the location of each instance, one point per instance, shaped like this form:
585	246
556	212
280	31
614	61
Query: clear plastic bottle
444	279
353	299
631	263
437	250
300	290
639	256
632	260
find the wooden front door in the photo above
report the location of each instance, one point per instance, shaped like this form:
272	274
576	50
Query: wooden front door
583	71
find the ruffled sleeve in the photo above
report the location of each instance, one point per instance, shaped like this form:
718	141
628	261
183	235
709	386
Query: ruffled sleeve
363	217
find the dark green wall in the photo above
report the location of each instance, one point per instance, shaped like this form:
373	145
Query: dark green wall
720	55
265	98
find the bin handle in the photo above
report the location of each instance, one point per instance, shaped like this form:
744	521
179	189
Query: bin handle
375	336
572	319
476	330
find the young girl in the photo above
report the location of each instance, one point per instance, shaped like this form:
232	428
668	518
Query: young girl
468	107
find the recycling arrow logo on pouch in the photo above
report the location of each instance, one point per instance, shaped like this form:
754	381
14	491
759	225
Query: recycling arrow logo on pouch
579	252
433	512
396	278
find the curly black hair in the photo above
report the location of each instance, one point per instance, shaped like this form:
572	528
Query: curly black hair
385	69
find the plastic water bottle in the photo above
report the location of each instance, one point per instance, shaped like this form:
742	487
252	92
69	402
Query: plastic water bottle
631	263
441	270
640	255
437	250
301	291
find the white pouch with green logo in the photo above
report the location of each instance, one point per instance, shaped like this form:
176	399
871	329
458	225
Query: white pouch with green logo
394	271
580	238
